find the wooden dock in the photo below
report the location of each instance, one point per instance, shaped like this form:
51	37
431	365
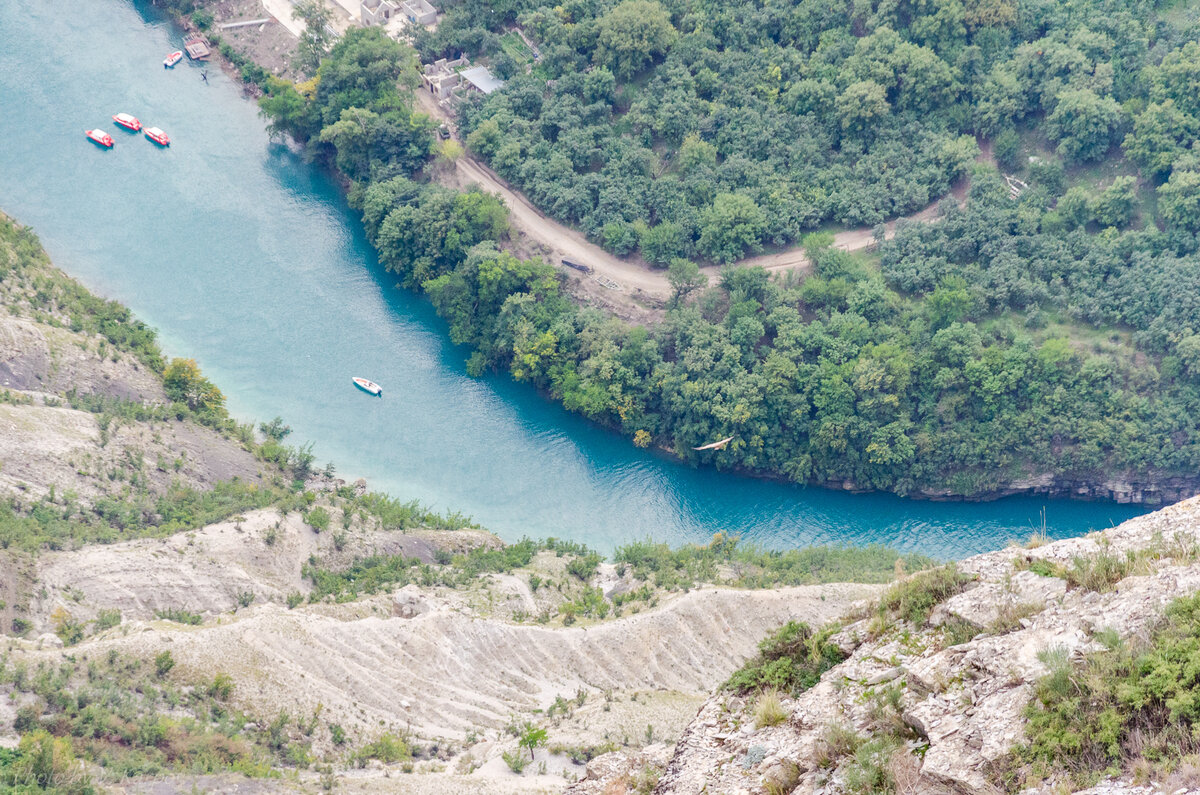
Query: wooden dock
197	47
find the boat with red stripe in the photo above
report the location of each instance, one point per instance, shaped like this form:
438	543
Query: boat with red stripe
128	121
100	138
158	136
370	387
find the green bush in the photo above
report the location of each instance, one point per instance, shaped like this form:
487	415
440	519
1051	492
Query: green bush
790	661
107	619
163	663
388	749
179	616
1134	702
318	518
914	597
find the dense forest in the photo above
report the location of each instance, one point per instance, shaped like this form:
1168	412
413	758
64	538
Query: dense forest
692	128
1052	335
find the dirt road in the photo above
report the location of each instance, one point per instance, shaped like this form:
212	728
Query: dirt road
628	276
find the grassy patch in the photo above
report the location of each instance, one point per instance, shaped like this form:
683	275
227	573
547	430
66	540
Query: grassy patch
516	49
768	710
128	719
55	522
728	561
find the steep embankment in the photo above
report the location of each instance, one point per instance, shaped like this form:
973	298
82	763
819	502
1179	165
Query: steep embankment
170	604
93	444
446	667
932	693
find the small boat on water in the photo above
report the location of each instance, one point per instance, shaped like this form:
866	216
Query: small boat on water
172	59
128	122
100	138
158	136
370	387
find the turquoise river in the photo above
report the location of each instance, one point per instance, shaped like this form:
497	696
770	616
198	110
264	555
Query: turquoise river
247	259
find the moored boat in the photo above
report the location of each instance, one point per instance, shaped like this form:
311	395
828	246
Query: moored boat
158	136
370	387
100	137
172	59
128	122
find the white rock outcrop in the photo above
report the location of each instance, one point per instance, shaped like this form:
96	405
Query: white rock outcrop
963	701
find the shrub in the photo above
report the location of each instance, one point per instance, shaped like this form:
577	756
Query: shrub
388	748
1132	703
515	760
43	762
318	518
107	619
584	567
791	661
914	598
179	616
1099	573
163	663
221	687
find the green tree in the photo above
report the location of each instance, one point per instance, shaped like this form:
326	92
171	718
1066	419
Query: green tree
732	226
631	35
1117	204
694	152
163	663
1006	148
532	737
46	763
1178	78
950	302
184	384
1179	200
316	38
1084	124
285	110
1075	207
1161	134
862	105
365	69
685	277
662	243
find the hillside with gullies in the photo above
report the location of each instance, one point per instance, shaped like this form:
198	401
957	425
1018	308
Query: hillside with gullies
1052	667
188	604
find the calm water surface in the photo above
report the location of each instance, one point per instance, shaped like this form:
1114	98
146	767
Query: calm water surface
247	259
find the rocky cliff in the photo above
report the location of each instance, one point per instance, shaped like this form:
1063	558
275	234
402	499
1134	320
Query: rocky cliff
939	704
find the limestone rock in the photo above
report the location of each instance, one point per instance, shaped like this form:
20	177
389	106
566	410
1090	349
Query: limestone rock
965	701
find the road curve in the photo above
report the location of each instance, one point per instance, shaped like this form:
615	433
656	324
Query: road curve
630	276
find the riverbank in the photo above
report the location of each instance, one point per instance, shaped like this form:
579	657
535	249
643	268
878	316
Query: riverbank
1034	472
198	567
248	261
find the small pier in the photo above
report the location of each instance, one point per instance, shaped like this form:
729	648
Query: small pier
197	47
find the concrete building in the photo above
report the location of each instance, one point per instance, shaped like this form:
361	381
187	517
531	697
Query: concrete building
441	76
481	79
382	12
377	12
419	12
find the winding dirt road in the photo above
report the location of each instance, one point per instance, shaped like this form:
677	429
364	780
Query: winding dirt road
628	276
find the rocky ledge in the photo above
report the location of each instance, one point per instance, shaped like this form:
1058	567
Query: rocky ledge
957	683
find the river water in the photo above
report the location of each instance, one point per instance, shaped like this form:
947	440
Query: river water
247	259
